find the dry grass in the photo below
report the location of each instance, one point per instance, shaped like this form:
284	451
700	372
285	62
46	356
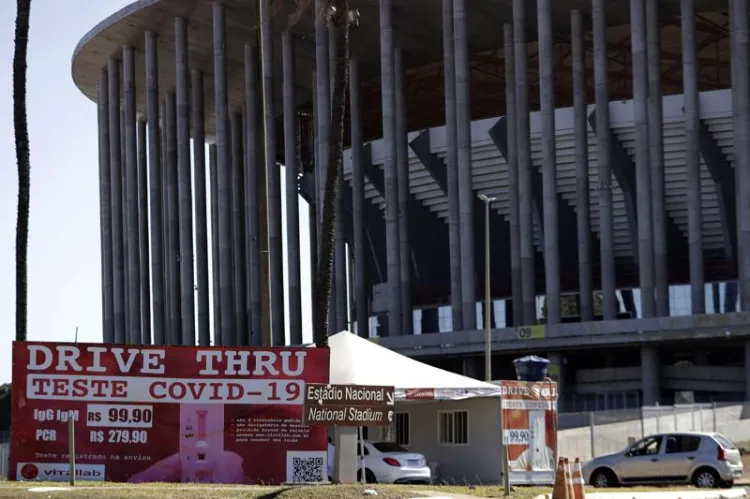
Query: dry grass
89	490
97	490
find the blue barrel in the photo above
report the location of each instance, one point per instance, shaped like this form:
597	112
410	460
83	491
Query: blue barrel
531	368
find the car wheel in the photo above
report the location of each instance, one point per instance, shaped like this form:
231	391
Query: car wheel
706	478
369	476
603	478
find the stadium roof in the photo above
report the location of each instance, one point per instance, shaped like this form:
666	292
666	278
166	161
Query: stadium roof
418	26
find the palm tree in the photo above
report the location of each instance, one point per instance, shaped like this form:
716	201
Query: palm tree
340	19
21	128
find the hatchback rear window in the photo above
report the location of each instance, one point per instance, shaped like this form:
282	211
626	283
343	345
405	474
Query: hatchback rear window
388	447
724	442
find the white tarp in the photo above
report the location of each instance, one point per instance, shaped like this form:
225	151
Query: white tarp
357	361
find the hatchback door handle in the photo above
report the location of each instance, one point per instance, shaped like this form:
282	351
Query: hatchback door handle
653	460
690	458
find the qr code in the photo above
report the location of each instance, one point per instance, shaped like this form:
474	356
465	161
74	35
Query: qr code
307	467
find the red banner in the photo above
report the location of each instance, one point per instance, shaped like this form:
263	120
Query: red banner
174	414
530	424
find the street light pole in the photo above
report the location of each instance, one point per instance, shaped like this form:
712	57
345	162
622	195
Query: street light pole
487	291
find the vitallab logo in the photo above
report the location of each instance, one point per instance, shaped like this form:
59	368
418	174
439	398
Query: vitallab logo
59	472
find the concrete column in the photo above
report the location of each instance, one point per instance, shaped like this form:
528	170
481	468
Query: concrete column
585	281
650	375
393	245
642	170
292	196
340	296
238	232
155	187
131	199
466	196
322	112
741	85
143	256
549	155
358	200
603	157
351	286
164	166
115	162
215	285
252	217
737	134
124	224
318	167
339	291
184	183
226	303
511	117
105	208
692	159
312	224
656	157
451	165
173	224
525	194
402	162
274	187
317	204
201	223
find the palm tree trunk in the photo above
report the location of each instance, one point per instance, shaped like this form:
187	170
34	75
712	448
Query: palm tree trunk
21	128
340	21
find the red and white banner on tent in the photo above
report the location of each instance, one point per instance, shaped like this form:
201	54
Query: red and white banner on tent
530	424
406	394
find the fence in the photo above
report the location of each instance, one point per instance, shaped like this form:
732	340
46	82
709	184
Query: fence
4	451
594	434
4	447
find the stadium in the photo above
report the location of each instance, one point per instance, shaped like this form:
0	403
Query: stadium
603	176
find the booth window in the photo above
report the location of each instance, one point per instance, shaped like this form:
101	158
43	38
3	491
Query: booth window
402	428
453	428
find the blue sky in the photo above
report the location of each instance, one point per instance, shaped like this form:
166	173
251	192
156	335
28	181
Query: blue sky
64	246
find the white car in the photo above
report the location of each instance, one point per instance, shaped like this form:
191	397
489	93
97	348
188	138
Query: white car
387	462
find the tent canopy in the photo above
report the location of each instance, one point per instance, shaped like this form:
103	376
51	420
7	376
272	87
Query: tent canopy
357	361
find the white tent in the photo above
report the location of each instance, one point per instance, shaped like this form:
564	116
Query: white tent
357	361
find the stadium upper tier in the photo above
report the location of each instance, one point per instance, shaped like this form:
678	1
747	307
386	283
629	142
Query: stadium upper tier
490	176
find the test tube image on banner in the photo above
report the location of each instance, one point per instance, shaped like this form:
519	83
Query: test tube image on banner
202	442
202	458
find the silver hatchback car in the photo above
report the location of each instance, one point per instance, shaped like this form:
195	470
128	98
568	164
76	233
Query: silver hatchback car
704	459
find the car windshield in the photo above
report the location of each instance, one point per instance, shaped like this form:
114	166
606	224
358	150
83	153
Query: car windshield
388	447
724	442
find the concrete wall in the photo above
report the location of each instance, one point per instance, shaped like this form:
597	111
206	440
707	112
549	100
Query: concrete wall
479	461
601	436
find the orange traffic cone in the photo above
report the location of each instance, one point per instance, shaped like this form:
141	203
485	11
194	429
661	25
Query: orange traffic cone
568	479
560	488
579	490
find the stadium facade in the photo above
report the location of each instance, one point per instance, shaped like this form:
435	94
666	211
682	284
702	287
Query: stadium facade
610	142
